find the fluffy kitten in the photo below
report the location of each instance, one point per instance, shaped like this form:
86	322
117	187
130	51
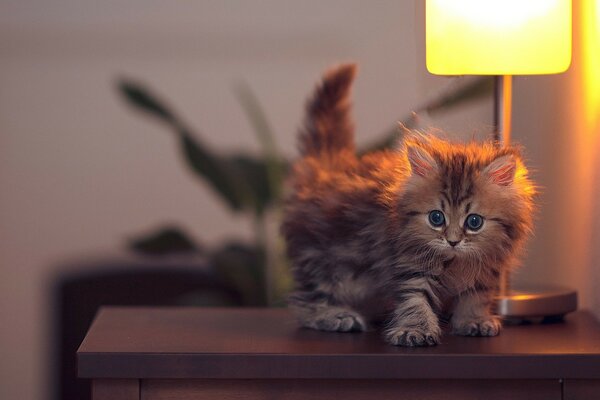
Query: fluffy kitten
394	234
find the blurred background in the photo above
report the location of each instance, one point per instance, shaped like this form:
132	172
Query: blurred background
119	121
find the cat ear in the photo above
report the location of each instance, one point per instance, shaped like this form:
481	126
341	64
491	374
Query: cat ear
421	162
502	170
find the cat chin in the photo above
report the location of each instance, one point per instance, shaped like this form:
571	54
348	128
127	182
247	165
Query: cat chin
448	262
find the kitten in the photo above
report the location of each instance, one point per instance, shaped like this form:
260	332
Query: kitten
393	234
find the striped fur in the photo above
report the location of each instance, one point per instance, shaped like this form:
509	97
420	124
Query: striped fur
358	235
328	112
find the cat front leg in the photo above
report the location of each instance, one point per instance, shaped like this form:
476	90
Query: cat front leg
315	310
472	314
414	321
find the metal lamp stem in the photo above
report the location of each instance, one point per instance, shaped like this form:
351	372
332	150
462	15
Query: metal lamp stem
503	124
503	108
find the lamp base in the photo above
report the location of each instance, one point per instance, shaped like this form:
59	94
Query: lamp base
550	303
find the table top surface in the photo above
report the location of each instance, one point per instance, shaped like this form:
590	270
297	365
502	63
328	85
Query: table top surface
125	342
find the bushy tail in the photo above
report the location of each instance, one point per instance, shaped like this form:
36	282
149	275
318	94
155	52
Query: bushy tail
328	128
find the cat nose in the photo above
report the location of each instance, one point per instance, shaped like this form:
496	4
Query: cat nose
453	243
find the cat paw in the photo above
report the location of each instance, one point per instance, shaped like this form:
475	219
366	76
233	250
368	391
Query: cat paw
489	326
411	337
339	321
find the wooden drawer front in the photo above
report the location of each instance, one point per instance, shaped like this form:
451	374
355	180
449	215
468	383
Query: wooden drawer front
350	389
115	389
581	389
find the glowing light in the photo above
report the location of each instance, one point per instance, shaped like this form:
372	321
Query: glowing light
498	37
590	43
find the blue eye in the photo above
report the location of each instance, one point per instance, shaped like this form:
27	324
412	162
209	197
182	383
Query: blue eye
436	218
474	222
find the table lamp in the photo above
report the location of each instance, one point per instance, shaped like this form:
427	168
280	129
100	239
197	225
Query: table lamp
504	38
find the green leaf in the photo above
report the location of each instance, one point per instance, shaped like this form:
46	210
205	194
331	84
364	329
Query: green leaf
257	118
275	166
167	240
243	266
141	98
254	174
227	180
217	171
243	180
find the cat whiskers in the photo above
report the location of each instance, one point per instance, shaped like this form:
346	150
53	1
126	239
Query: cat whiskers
430	259
477	258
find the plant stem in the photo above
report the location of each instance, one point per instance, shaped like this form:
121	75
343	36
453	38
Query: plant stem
262	242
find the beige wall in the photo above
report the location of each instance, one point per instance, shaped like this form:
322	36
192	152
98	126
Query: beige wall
80	172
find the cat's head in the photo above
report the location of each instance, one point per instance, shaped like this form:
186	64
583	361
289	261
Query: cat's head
471	202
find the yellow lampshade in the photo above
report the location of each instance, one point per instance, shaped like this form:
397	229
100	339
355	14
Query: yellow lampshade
498	37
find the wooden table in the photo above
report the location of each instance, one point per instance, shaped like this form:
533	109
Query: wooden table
212	353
